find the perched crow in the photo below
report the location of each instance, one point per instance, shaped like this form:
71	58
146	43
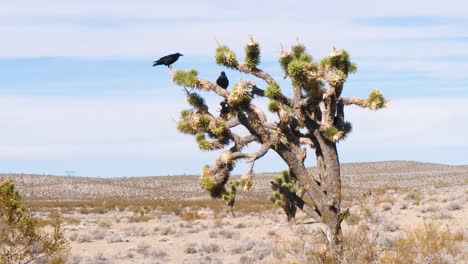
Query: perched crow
222	80
167	60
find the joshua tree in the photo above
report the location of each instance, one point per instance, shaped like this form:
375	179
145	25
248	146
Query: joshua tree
286	180
312	118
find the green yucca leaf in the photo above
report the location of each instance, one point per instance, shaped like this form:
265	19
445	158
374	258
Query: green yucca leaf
298	50
273	106
186	78
273	91
196	100
225	57
376	100
284	60
252	54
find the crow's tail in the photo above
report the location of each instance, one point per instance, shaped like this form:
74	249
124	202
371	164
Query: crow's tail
156	63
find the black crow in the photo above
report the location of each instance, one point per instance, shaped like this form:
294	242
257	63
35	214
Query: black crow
167	60
222	80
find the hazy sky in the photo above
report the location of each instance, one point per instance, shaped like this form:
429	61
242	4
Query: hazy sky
77	90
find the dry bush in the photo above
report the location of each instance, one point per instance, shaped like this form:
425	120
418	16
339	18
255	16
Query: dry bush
72	220
142	247
84	237
105	224
352	219
427	244
229	234
191	215
454	206
154	254
114	238
137	231
191	248
414	195
386	206
21	239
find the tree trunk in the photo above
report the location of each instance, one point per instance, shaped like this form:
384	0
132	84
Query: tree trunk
328	167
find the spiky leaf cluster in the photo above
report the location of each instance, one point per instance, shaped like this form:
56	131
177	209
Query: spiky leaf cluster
273	91
333	134
225	57
186	78
339	60
376	100
208	183
197	101
252	54
230	195
284	60
336	78
240	95
285	180
273	106
205	145
297	64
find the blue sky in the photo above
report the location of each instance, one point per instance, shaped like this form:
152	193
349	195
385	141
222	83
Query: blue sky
77	90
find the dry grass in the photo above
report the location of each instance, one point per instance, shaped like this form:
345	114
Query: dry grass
191	216
426	244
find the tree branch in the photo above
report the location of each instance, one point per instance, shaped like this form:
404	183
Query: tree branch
260	92
301	204
255	72
355	101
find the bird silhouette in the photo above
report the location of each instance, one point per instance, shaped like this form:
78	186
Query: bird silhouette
167	60
222	80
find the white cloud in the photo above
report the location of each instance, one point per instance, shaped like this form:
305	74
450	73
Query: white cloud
175	27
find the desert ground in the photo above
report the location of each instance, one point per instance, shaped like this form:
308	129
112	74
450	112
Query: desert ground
399	211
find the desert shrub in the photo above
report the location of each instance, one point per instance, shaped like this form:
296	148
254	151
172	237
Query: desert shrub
454	206
191	248
73	236
426	244
210	247
386	206
137	231
166	231
154	253
191	215
229	234
352	219
105	224
99	258
21	239
75	259
99	233
244	246
114	238
84	237
72	220
240	225
142	247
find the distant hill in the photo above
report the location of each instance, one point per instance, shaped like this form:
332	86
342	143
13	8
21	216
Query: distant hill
401	174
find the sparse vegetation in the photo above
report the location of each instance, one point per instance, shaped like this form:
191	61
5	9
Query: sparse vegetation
257	234
21	239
